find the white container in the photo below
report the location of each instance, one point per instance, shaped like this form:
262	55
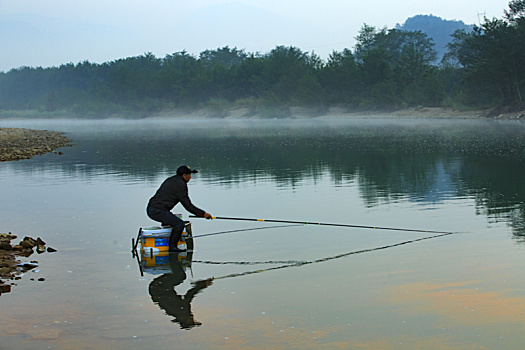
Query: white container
155	231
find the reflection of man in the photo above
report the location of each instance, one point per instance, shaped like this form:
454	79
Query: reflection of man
162	291
174	190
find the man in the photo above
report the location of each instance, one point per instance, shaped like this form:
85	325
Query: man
174	190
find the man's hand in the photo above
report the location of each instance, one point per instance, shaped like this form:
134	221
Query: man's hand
208	216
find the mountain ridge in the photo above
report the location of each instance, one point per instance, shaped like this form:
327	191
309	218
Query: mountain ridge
435	27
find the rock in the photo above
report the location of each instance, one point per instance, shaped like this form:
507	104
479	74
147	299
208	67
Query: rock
41	279
26	252
7	236
27	267
11	268
5	288
5	246
31	241
26	245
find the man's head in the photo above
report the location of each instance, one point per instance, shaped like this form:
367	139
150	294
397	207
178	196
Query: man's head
185	171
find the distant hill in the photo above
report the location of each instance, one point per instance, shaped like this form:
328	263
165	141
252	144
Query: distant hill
436	28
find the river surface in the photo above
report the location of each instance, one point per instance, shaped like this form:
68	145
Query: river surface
277	285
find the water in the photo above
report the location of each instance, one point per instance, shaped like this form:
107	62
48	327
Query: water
278	286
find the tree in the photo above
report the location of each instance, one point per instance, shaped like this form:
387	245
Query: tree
339	78
182	79
309	92
494	54
366	41
224	57
284	67
516	12
394	65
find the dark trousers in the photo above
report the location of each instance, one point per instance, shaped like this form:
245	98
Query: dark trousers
167	218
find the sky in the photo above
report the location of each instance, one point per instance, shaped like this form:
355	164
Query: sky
53	32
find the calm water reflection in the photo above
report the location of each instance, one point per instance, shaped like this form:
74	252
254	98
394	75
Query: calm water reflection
322	286
163	293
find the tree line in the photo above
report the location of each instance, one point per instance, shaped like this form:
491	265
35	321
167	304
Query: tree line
387	69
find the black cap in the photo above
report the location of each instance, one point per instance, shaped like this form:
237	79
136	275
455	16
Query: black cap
184	169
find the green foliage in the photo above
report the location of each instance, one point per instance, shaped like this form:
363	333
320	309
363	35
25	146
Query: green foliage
385	94
493	58
224	57
309	92
394	68
516	12
387	69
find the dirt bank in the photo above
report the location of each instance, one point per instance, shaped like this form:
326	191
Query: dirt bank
335	113
16	144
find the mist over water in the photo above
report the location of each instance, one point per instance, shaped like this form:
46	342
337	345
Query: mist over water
322	286
387	159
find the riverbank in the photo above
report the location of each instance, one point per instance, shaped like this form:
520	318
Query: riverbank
17	144
336	113
249	112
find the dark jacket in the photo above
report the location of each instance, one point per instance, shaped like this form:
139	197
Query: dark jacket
174	190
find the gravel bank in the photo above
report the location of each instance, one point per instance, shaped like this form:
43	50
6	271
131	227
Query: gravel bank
16	144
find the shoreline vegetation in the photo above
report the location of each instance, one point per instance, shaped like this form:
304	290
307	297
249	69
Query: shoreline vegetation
233	112
388	73
339	113
18	143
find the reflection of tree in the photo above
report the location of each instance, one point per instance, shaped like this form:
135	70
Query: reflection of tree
162	291
495	184
425	162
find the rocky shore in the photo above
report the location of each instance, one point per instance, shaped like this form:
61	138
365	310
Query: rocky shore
11	267
16	143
